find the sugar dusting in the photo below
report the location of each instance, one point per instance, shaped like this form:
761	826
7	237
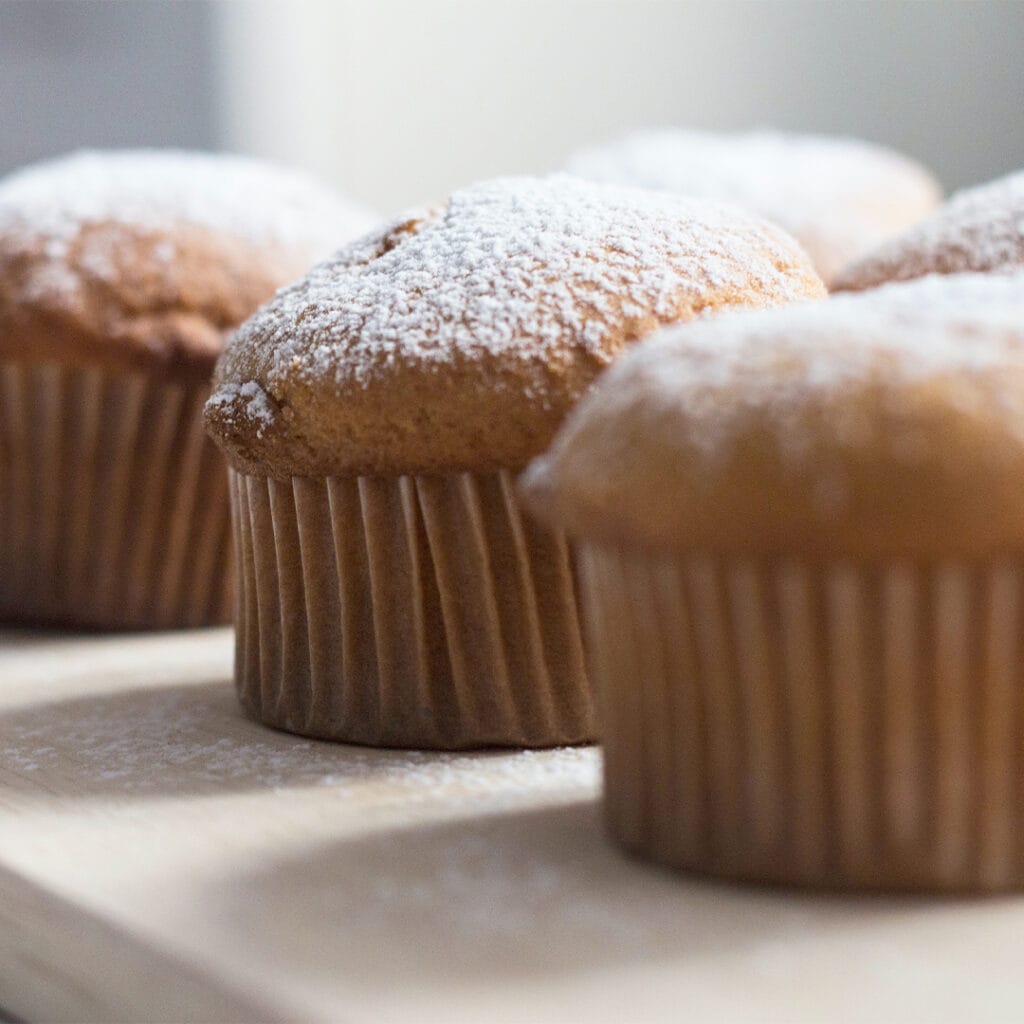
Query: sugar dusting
192	738
698	386
251	399
48	205
555	261
840	192
979	229
156	189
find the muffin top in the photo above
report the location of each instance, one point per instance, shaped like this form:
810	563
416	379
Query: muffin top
978	229
884	424
838	197
458	338
147	259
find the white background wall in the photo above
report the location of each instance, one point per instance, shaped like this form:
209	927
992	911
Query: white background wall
400	101
95	73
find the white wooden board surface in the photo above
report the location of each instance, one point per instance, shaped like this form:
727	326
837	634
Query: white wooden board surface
161	858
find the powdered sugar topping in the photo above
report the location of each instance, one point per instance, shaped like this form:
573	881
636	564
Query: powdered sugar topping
513	268
979	229
157	189
775	365
843	192
251	399
44	209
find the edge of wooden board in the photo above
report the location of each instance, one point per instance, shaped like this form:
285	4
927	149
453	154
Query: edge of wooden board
51	949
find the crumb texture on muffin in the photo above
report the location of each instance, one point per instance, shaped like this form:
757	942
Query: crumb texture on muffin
979	229
839	197
881	424
146	258
458	338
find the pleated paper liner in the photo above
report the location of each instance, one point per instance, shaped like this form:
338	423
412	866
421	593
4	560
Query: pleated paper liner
835	726
114	510
414	611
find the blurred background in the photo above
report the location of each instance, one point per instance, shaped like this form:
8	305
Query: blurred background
398	101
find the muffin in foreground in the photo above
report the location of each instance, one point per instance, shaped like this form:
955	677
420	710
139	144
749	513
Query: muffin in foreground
838	197
978	230
392	592
121	275
801	542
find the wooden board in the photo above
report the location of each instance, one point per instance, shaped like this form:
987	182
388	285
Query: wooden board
161	858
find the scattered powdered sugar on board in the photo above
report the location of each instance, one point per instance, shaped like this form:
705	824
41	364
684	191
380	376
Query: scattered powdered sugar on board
191	739
45	207
698	385
511	268
978	229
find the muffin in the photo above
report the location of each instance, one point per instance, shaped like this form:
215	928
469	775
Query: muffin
801	544
121	276
980	229
374	415
838	197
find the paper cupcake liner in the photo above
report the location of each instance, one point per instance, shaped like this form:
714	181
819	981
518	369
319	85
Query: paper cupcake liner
834	725
413	611
114	510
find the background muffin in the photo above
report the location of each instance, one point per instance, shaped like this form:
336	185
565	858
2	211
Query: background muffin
121	275
392	592
838	197
802	562
978	229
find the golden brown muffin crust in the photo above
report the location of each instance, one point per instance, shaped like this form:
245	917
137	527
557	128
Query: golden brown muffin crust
459	338
155	316
148	260
888	424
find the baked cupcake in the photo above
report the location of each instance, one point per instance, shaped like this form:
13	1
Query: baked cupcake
801	544
980	229
374	414
838	197
121	275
